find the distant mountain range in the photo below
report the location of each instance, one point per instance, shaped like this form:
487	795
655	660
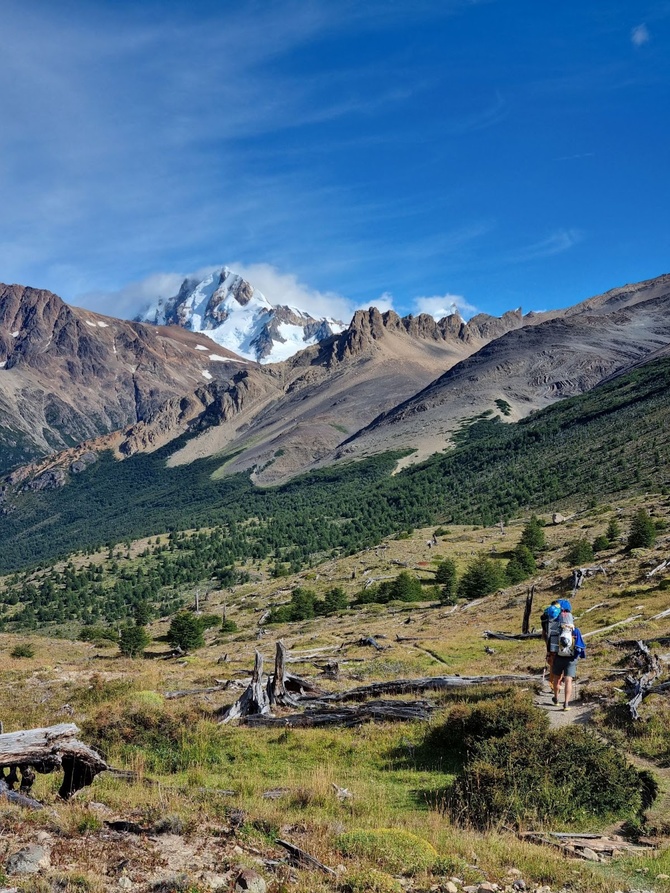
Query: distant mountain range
230	311
73	382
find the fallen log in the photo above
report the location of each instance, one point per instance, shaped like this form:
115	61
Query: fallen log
302	858
660	567
604	629
491	634
18	799
410	686
347	717
45	750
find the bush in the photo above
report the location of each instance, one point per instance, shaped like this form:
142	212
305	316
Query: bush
185	632
482	577
405	588
613	531
558	778
23	650
395	850
371	881
521	565
98	634
228	625
601	543
580	552
642	531
491	718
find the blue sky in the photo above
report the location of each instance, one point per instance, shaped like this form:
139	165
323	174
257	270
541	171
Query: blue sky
340	153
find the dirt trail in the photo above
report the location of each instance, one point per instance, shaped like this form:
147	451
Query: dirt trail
558	718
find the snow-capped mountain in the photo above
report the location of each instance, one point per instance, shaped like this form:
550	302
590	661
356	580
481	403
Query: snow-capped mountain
230	311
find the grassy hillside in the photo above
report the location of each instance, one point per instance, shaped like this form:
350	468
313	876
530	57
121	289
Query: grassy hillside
214	799
613	440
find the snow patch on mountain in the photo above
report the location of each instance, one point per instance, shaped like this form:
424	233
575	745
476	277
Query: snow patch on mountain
234	314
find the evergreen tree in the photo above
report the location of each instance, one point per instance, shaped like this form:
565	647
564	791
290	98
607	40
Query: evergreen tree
445	575
133	640
533	535
482	577
642	531
185	632
580	552
613	531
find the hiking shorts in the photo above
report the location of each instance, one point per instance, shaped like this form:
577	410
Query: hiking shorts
564	666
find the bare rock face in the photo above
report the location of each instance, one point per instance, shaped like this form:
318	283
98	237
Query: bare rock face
69	375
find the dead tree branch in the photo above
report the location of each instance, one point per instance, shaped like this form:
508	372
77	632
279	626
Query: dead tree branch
45	750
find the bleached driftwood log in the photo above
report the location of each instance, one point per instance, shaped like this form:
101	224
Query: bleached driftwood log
492	634
374	711
45	750
410	686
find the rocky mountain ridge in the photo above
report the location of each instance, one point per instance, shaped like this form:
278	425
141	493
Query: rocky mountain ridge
71	377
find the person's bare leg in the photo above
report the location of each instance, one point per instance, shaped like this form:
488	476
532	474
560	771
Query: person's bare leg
557	685
568	690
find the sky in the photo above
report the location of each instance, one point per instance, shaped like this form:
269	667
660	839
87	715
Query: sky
413	154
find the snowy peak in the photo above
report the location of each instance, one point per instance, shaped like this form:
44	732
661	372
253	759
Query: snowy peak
234	314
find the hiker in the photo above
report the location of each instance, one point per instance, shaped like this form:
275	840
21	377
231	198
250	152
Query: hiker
548	618
564	664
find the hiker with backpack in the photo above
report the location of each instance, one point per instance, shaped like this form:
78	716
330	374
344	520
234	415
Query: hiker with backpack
569	649
564	646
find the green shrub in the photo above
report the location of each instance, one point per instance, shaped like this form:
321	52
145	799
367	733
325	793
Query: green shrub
601	543
371	881
393	849
133	640
23	650
491	718
564	777
228	625
98	634
533	535
580	552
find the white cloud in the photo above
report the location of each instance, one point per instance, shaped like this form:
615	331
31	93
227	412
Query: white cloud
383	303
128	301
640	35
556	243
439	306
286	288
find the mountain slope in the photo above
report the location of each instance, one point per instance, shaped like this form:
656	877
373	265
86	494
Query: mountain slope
614	439
553	356
333	389
68	375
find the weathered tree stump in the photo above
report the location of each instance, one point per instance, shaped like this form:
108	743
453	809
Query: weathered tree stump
45	750
254	699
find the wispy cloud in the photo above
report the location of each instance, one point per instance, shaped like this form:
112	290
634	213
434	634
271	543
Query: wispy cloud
556	243
481	119
640	35
439	306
